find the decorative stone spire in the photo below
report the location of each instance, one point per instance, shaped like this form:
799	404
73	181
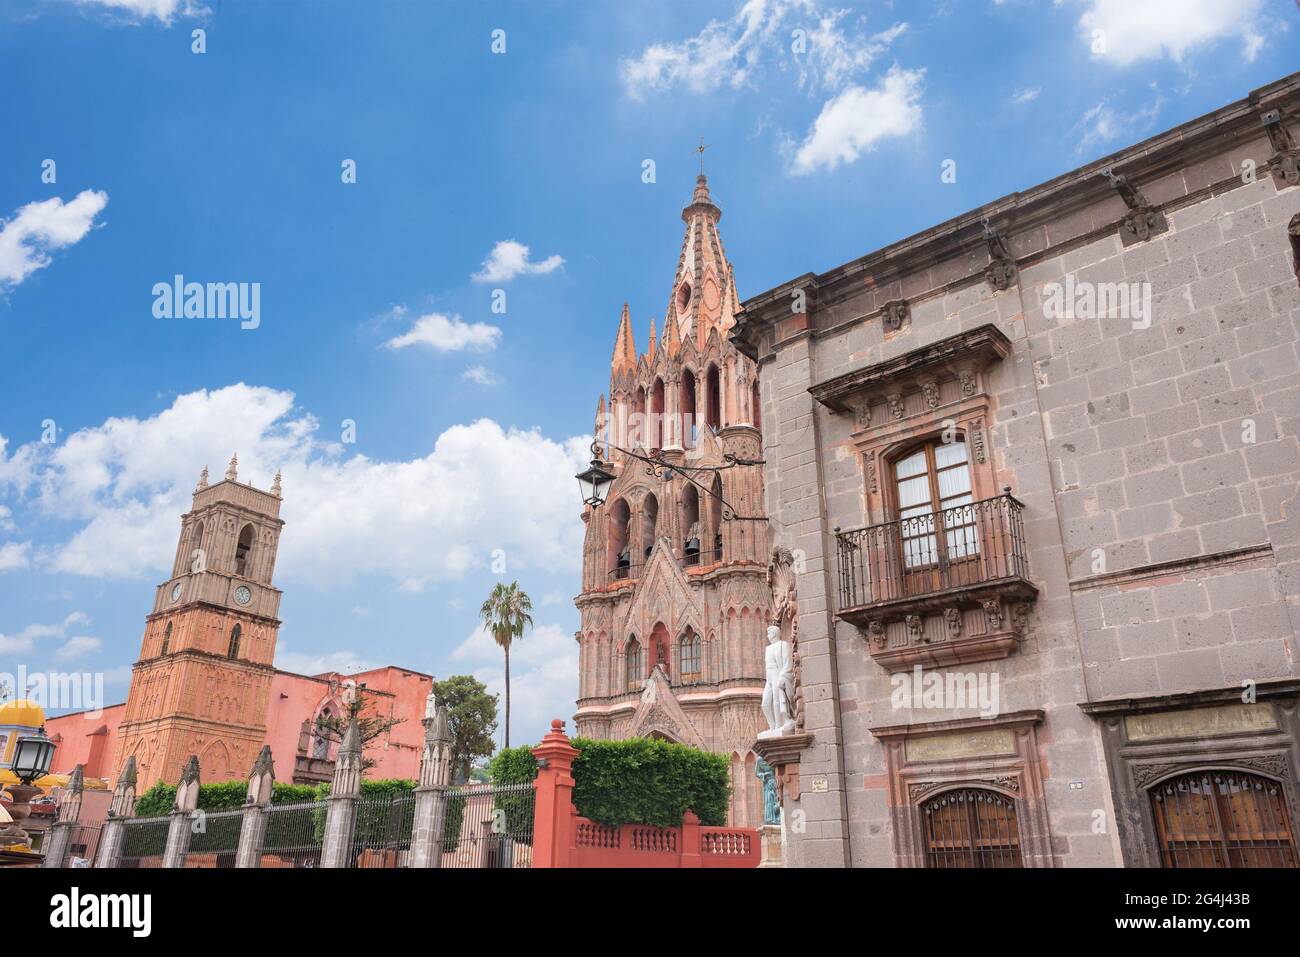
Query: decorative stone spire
123	804
203	480
703	297
435	760
347	771
624	346
261	780
275	485
70	799
650	352
232	470
187	792
672	340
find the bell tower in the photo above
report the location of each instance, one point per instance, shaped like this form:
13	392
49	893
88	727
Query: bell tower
204	673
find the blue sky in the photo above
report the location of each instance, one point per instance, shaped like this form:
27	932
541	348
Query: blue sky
828	128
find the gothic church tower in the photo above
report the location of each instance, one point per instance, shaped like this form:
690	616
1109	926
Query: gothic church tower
205	668
675	601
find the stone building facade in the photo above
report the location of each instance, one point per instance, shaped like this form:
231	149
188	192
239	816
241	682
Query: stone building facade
675	598
1040	463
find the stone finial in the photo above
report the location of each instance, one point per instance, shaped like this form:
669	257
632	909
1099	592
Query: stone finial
203	480
232	470
123	804
70	799
261	780
347	770
275	485
435	761
187	792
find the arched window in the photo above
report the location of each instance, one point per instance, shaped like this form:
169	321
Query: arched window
971	827
233	650
690	524
632	665
320	745
638	436
755	407
686	408
657	439
715	520
243	549
167	640
935	478
690	658
197	560
649	522
620	545
1223	819
713	399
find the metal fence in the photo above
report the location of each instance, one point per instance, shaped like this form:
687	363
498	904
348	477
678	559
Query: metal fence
144	840
489	827
382	835
295	835
82	845
214	839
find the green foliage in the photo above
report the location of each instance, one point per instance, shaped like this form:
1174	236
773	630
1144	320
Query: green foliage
515	766
637	781
370	725
471	718
648	781
217	796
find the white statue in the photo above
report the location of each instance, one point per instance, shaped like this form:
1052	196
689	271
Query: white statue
778	690
430	705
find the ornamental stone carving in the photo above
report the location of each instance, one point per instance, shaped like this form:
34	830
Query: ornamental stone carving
952	617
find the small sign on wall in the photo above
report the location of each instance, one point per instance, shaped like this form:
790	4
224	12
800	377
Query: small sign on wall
818	785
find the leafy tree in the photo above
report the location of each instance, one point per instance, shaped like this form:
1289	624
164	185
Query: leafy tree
471	718
505	614
370	723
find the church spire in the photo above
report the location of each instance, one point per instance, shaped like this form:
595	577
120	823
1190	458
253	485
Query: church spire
624	346
650	352
703	296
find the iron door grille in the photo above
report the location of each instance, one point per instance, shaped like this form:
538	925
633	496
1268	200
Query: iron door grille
971	827
1223	819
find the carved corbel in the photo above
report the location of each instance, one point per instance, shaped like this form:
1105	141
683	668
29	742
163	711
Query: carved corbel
952	617
896	314
967	379
876	632
895	400
1284	164
1001	271
1020	619
1143	220
993	612
915	629
930	389
861	414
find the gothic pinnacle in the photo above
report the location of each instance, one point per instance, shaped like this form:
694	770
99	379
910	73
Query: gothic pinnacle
232	470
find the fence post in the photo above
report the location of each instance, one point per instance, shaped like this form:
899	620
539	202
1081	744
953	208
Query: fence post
431	795
691	840
60	836
252	827
122	807
187	802
341	807
553	812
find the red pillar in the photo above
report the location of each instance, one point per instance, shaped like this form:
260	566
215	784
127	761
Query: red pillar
691	840
553	810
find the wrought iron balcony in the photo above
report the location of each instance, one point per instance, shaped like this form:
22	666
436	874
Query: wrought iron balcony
938	564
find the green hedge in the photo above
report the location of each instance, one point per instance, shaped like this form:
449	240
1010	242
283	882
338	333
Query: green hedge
637	781
217	796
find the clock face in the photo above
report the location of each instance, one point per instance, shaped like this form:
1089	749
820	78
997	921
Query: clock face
177	589
242	595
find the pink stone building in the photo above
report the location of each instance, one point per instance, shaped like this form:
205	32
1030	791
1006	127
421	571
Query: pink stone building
675	600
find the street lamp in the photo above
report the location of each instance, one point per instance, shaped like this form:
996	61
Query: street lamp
33	754
594	483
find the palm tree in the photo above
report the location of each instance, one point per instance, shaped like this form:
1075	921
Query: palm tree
505	615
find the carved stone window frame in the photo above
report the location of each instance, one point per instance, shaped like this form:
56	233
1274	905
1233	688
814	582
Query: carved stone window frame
1007	762
1136	765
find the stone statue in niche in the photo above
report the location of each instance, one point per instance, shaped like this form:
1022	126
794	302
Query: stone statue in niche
430	705
785	607
778	688
766	775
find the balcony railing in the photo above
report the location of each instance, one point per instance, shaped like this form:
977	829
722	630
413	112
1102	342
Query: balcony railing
969	545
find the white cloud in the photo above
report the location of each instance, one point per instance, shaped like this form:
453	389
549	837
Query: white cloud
730	53
15	555
1104	124
37	228
78	647
344	662
510	258
447	334
164	11
479	375
853	122
543	677
430	518
25	640
1026	95
1123	32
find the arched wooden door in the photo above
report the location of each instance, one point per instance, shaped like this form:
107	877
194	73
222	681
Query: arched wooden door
971	827
1222	818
